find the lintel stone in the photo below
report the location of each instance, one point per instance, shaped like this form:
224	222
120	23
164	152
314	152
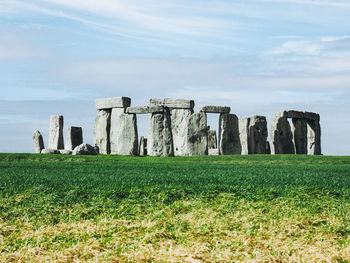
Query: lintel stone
109	103
138	110
295	114
215	109
173	103
312	116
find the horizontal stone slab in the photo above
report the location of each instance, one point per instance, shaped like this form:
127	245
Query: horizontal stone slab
109	103
215	109
302	115
311	116
295	114
173	103
138	110
156	109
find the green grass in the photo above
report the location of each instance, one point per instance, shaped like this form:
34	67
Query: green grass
203	208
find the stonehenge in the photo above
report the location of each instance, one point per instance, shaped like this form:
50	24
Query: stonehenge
175	129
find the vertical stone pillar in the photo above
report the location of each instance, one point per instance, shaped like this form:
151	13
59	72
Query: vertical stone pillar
160	140
243	124
143	146
179	129
56	132
299	130
281	135
38	141
123	134
74	137
229	141
102	131
313	137
197	135
212	139
257	135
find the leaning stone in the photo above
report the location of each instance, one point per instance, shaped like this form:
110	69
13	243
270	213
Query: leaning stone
313	137
74	137
257	135
299	131
295	114
143	146
109	103
215	109
197	134
179	128
243	124
160	141
138	110
66	151
123	134
50	151
84	149
229	142
212	139
281	135
173	103
56	132
38	141
213	151
102	130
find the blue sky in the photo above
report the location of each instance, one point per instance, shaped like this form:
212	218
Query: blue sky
259	57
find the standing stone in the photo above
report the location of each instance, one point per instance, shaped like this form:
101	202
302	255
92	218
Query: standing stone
123	134
38	141
74	137
229	142
160	140
257	135
179	129
197	134
143	146
212	139
281	135
313	137
56	132
268	148
243	124
299	130
102	130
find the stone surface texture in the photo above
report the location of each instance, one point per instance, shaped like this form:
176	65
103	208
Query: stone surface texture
281	135
299	131
215	109
38	141
84	149
50	151
313	137
65	151
213	151
109	103
102	131
212	139
229	141
160	141
243	124
197	134
173	103
56	132
257	135
179	128
123	133
143	146
138	110
74	137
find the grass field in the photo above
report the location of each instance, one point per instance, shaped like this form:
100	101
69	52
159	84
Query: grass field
183	209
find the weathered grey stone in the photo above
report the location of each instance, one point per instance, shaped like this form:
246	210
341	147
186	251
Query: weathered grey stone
229	142
38	141
179	128
138	110
109	103
299	131
295	114
123	134
65	151
243	124
102	131
215	109
160	141
213	151
197	134
156	109
312	116
56	132
313	137
281	135
212	139
84	149
74	137
143	146
257	135
50	151
173	103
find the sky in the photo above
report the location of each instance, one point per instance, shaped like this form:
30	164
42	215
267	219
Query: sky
256	56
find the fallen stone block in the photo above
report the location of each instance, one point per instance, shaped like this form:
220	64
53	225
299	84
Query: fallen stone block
84	149
74	137
229	141
215	109
38	141
173	103
109	103
50	151
213	151
102	131
65	151
56	132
